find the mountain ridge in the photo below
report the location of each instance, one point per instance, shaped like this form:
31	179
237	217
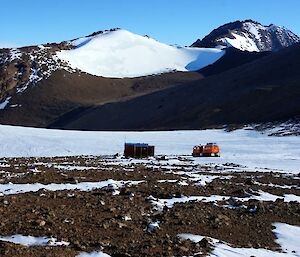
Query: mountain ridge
249	35
40	88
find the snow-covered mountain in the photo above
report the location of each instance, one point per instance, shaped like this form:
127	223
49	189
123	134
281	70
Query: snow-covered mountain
114	53
250	36
120	53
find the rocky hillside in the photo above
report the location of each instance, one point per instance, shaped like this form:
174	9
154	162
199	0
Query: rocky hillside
265	89
249	35
112	53
26	66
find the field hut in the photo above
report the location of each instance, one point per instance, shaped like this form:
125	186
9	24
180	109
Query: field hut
138	150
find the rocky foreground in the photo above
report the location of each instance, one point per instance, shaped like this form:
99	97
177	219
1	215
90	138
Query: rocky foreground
140	207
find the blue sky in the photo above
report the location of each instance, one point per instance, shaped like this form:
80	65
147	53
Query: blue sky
27	22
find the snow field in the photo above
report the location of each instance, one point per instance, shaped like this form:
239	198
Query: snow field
245	147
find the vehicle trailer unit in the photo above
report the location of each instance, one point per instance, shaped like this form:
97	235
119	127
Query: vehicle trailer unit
208	150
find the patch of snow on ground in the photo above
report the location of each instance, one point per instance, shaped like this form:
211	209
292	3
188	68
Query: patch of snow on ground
167	181
153	226
15	54
93	254
223	249
286	128
10	188
120	54
261	196
161	203
33	241
288	237
278	186
5	103
70	167
200	179
192	237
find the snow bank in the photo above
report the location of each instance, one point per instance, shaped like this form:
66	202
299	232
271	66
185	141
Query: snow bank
245	147
120	54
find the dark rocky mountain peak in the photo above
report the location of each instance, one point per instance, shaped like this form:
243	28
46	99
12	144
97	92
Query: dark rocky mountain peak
249	35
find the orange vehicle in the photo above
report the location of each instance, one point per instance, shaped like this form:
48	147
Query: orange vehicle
208	150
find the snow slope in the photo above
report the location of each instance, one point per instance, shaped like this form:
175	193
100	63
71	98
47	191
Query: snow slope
243	43
245	147
120	53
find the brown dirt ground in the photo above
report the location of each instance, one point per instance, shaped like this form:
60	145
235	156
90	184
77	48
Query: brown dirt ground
96	220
